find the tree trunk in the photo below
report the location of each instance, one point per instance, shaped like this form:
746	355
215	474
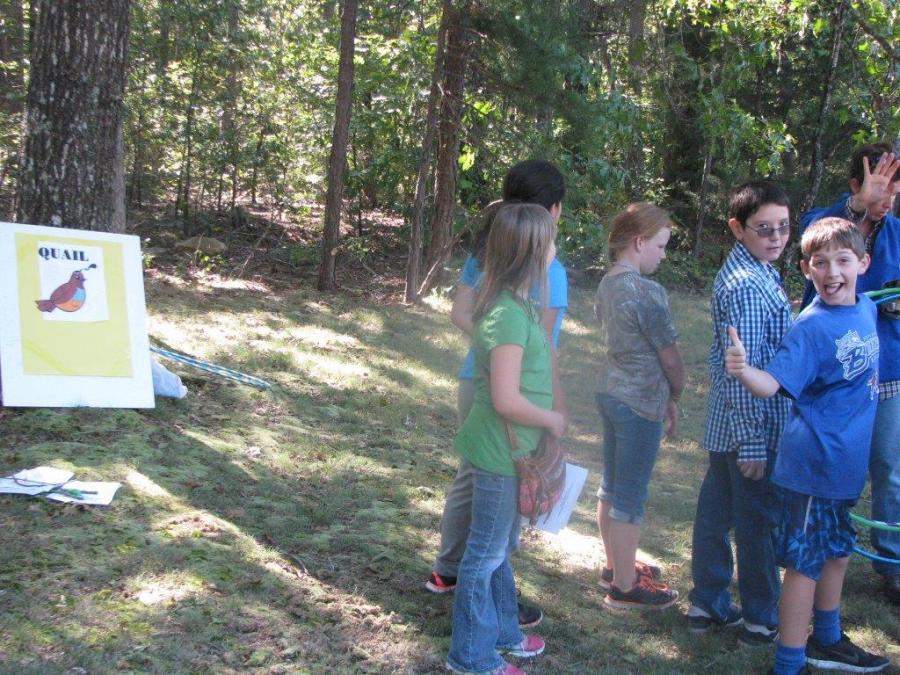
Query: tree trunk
701	198
257	160
135	193
817	165
414	264
12	34
184	193
332	229
72	173
637	13
448	145
232	91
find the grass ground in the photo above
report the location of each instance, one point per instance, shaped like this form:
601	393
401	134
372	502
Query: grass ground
291	530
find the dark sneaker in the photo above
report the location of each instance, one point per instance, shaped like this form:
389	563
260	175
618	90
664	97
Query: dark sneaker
754	635
892	588
844	655
645	594
640	568
505	669
439	584
531	645
699	620
529	615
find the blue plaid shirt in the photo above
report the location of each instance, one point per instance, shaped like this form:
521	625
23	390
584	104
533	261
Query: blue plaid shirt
747	294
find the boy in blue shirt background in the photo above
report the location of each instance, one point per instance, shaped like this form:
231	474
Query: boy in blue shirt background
828	366
874	183
742	432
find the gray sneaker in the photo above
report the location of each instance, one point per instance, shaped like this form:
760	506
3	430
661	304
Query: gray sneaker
699	620
755	635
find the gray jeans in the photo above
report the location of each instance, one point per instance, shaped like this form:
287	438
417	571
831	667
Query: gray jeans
458	505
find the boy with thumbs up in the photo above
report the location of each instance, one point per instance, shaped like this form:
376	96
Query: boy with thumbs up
828	366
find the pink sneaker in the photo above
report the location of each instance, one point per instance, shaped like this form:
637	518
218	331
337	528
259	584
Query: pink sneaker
531	645
508	669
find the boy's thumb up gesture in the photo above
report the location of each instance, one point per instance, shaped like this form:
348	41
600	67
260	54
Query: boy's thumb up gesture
735	355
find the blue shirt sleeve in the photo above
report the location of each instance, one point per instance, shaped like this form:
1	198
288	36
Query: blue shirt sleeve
558	283
471	274
796	363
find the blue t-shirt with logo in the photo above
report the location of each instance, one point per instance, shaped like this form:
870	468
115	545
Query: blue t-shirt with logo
558	298
828	363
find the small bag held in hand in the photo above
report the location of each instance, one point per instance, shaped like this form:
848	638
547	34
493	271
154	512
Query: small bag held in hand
542	476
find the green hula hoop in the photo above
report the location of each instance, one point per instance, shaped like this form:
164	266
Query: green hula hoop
875	524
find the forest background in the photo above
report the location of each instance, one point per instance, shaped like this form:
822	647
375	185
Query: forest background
232	102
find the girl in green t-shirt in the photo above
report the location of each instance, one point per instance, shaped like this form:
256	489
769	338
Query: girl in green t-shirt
513	383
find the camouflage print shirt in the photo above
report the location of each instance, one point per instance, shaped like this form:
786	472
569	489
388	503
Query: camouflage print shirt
635	314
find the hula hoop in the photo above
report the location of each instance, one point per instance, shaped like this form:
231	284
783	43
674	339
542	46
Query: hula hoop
874	556
883	291
876	524
221	371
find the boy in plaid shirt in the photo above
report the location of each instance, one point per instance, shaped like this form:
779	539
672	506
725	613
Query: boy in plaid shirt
742	433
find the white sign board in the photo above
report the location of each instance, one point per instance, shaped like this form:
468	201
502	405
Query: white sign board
74	327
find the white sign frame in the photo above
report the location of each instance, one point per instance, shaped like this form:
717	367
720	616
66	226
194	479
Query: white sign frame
20	388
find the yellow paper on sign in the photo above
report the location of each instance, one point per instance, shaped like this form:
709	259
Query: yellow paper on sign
72	306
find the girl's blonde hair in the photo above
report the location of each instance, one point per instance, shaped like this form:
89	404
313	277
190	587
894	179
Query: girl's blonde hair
516	253
640	219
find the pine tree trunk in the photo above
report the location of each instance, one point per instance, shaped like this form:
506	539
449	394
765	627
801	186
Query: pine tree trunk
72	171
332	229
448	147
414	264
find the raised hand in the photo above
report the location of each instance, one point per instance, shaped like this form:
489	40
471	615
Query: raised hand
735	355
876	181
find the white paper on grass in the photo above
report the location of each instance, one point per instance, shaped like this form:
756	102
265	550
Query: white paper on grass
559	516
34	481
93	493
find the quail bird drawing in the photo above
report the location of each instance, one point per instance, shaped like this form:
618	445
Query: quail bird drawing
68	297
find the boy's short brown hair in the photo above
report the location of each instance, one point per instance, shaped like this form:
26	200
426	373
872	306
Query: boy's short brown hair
832	232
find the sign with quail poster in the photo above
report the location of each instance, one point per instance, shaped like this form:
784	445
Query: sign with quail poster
74	331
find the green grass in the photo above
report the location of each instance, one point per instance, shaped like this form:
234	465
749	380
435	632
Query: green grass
291	530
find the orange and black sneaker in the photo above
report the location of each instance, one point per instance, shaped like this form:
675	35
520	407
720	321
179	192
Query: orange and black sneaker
645	594
439	584
640	568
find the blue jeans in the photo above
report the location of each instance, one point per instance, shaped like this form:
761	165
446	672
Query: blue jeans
485	611
884	471
728	500
630	446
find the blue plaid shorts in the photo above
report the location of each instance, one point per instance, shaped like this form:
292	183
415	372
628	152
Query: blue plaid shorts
812	530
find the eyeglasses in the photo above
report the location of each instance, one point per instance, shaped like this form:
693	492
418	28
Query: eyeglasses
766	231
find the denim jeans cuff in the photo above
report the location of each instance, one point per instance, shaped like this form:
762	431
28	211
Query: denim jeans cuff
623	517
